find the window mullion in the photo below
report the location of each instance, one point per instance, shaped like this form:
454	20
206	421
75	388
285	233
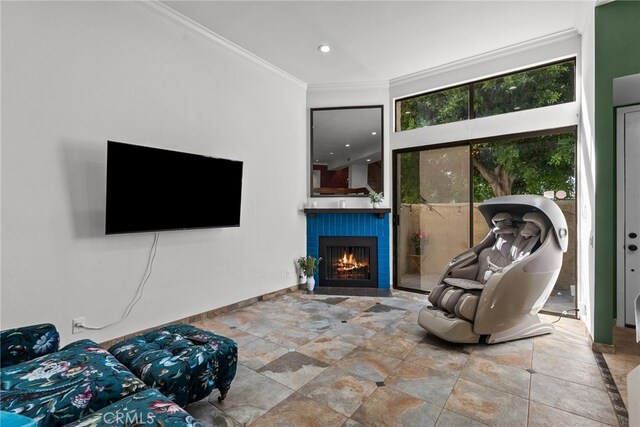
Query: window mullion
472	110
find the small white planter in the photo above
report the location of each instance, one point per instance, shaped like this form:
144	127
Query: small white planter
311	283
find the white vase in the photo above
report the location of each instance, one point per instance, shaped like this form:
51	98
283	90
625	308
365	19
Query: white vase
311	283
375	205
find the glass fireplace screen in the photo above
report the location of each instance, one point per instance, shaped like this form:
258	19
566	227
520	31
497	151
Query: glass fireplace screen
348	262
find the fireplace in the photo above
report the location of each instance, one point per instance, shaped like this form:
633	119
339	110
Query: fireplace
348	261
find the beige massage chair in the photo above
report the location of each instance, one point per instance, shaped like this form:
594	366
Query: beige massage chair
497	287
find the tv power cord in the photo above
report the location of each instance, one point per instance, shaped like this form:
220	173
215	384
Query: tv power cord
139	292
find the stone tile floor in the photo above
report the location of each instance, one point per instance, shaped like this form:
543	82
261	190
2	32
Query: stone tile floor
321	360
625	359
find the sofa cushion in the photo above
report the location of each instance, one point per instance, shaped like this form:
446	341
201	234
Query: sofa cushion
21	344
148	407
61	387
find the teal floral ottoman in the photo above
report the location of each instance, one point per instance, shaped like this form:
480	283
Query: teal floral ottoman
185	363
147	407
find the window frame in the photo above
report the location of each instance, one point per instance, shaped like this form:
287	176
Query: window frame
471	113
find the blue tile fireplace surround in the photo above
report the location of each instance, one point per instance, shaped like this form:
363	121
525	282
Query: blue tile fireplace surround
352	223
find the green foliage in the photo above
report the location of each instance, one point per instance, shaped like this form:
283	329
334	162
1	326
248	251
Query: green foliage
534	164
410	178
450	105
481	188
445	175
375	197
536	88
308	264
540	87
435	176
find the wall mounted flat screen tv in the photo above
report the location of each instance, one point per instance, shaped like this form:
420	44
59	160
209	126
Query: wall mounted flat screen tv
151	189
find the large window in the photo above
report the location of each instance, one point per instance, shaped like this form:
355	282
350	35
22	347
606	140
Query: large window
550	84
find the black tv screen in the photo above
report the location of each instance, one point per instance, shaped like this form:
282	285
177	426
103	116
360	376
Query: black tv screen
151	189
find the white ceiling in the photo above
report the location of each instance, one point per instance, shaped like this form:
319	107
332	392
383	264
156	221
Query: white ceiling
375	41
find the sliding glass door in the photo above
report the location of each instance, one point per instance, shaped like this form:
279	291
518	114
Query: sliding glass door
432	213
438	189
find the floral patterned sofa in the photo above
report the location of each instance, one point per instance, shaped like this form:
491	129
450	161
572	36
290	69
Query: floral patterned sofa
58	387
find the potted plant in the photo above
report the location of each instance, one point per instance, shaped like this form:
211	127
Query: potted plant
308	266
376	198
419	238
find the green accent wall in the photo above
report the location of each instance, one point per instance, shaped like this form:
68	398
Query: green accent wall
617	54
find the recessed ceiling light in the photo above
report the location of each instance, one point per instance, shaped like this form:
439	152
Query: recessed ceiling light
324	48
374	133
347	145
331	153
368	160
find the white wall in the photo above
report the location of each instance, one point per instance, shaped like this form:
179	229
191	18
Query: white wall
76	74
358	176
585	157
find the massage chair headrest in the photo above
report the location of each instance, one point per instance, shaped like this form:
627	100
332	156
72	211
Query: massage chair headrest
503	224
534	223
502	219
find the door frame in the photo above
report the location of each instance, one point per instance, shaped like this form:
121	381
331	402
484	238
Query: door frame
620	217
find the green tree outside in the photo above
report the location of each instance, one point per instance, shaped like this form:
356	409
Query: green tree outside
524	166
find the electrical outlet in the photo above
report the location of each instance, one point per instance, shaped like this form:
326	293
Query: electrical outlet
77	325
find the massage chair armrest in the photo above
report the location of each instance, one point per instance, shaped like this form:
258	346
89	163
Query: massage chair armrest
22	344
463	260
513	294
456	265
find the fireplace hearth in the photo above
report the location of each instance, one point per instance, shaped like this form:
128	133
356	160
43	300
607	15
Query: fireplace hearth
348	261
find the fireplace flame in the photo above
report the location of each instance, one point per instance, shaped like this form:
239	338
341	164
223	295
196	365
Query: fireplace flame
348	262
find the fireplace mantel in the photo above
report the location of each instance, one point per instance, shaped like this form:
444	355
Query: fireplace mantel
381	212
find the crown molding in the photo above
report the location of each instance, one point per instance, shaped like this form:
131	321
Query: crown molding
382	84
488	56
191	25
